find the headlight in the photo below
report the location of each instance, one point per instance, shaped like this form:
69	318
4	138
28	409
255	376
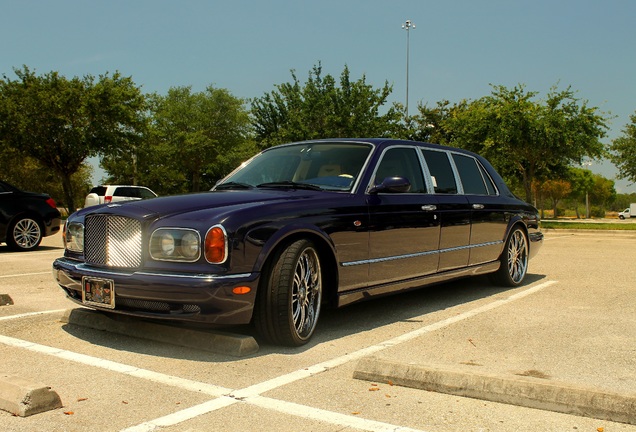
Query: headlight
175	244
74	237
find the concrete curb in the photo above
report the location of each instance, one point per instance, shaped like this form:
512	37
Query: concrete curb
212	341
23	398
514	390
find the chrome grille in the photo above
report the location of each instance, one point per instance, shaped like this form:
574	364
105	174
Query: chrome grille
113	241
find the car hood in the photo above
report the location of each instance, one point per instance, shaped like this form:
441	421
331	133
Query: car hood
217	201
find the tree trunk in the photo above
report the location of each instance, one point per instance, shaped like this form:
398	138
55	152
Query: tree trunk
68	193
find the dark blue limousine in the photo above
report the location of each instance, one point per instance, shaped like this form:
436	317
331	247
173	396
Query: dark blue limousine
299	227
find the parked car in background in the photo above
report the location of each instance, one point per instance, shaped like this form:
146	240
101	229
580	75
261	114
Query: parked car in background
105	194
299	226
26	217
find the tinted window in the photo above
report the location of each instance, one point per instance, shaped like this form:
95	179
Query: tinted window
145	194
441	171
126	192
492	190
99	190
402	162
470	175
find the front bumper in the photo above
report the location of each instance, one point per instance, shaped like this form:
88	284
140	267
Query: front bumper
203	298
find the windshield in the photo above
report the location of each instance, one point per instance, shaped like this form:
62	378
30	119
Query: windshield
330	166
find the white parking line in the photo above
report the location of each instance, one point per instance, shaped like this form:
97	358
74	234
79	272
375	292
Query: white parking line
24	274
252	395
29	314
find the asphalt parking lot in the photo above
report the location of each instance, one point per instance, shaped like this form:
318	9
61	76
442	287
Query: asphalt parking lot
526	359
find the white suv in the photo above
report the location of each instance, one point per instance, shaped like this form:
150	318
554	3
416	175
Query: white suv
105	194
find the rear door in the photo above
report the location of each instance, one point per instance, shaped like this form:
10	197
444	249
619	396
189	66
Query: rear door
488	217
454	211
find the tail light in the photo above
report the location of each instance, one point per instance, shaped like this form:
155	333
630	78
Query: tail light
107	199
51	202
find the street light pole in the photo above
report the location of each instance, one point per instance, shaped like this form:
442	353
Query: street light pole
408	25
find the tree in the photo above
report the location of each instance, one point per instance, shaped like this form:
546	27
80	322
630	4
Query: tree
29	174
556	190
194	139
524	137
603	193
61	122
320	108
623	152
582	181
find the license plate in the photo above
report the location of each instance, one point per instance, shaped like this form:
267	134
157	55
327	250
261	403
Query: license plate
98	292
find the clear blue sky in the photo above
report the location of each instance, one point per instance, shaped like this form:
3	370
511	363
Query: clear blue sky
458	48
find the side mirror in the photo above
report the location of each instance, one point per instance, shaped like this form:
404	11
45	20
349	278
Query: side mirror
392	185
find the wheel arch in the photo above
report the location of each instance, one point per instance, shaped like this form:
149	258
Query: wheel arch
516	221
326	253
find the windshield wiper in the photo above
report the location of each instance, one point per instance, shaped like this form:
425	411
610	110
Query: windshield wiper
290	185
233	185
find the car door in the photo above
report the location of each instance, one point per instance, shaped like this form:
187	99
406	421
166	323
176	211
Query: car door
488	218
404	226
454	211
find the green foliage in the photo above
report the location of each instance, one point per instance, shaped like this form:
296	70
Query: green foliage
522	137
320	108
623	152
623	201
29	174
61	122
194	139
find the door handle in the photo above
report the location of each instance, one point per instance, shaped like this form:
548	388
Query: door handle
478	206
429	207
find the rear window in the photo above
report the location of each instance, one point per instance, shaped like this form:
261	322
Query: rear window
133	192
99	190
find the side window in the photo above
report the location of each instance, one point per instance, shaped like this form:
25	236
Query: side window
145	194
470	175
122	191
402	162
441	171
492	190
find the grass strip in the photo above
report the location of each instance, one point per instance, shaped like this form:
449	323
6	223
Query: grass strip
602	226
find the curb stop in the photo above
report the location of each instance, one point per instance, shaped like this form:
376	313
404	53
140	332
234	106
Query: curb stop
24	398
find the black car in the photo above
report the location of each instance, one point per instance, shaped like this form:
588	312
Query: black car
299	226
26	217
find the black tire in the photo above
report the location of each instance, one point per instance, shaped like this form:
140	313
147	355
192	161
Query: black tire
289	295
514	260
24	234
621	217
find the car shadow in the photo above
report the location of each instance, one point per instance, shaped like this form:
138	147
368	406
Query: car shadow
334	323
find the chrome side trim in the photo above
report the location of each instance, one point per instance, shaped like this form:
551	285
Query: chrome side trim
418	254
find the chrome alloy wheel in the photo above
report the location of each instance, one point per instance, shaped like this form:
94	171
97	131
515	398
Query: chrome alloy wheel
517	256
26	234
306	293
